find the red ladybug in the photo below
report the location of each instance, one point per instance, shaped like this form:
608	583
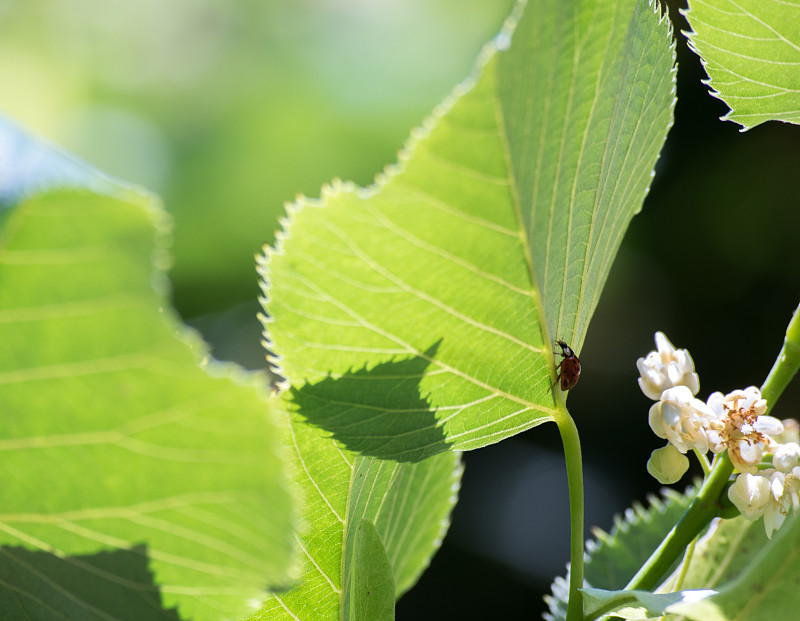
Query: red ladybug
569	369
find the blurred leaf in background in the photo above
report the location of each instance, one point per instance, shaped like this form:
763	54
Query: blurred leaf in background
229	109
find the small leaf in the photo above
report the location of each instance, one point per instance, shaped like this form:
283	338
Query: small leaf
417	316
751	51
408	503
372	586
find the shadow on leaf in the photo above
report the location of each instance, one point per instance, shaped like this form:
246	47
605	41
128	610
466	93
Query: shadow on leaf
40	586
378	412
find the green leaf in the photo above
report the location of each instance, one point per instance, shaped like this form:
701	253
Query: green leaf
418	315
756	578
372	589
97	587
114	439
751	51
721	555
409	504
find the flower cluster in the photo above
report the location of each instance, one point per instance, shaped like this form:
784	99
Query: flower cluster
763	450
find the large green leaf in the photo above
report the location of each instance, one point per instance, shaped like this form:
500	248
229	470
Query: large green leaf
419	314
751	51
135	480
756	578
409	505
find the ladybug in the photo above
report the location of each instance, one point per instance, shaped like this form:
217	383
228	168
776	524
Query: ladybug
569	369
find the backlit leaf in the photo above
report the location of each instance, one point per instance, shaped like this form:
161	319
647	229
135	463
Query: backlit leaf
418	315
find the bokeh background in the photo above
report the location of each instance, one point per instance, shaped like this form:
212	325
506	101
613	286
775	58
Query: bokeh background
229	108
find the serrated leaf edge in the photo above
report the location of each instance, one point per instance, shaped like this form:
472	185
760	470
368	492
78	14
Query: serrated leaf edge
338	187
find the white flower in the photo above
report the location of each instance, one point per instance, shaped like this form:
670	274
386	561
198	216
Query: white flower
786	456
742	427
785	488
667	464
666	368
682	419
749	398
770	493
751	494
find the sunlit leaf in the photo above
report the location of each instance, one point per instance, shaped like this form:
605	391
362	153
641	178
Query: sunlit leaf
130	471
751	51
418	315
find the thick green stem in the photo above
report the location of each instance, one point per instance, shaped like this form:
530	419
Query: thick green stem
572	454
703	509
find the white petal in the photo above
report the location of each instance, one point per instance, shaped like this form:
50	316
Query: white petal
750	453
650	390
692	382
670	413
674	374
776	482
714	402
684	361
656	422
773	519
663	345
769	425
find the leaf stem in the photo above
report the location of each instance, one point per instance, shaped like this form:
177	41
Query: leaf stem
574	461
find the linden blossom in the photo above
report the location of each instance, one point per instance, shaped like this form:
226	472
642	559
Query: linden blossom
736	422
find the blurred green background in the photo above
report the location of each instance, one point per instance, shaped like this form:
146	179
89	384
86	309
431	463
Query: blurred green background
229	108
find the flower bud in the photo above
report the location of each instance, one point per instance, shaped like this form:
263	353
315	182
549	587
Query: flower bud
666	368
667	464
786	456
